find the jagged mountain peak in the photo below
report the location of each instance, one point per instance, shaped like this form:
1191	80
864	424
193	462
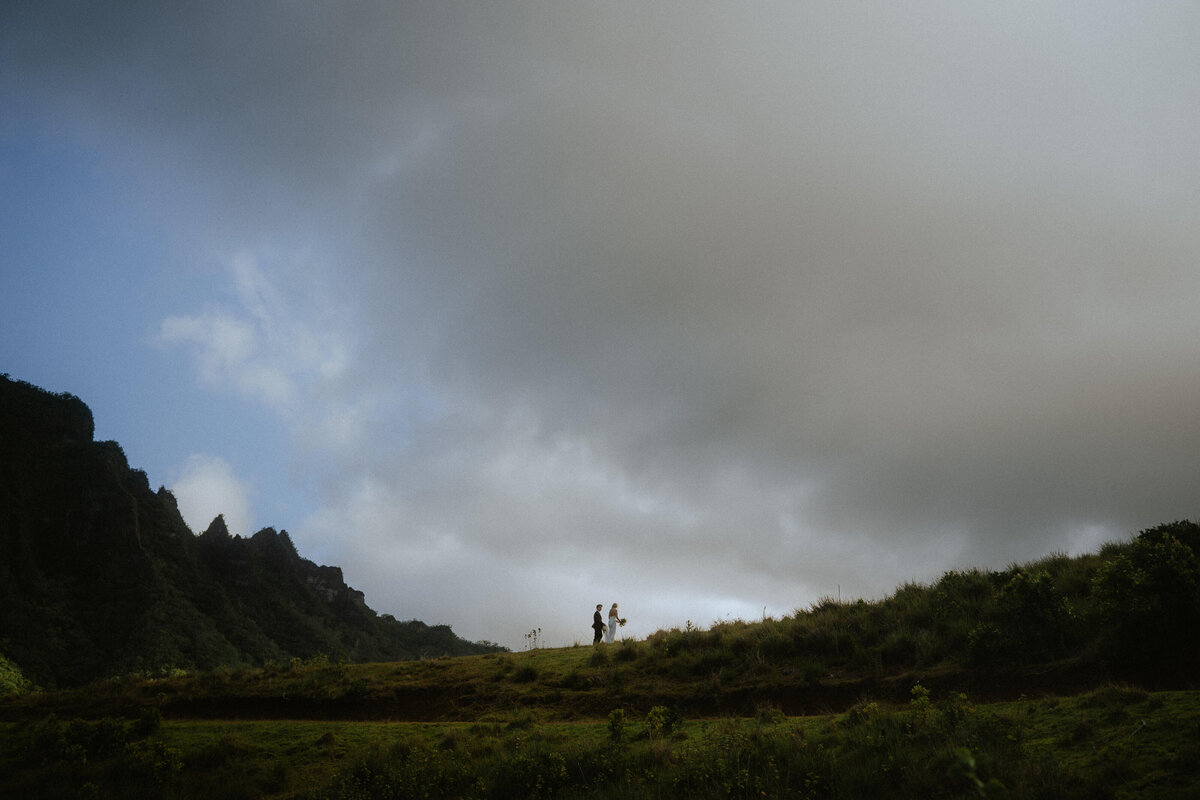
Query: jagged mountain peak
99	575
217	529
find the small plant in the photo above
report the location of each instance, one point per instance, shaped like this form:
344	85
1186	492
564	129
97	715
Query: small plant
616	725
862	713
965	770
920	705
531	639
769	714
662	721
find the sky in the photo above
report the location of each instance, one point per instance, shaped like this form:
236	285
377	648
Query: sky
710	309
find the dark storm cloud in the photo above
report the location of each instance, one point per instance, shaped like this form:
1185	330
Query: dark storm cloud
741	303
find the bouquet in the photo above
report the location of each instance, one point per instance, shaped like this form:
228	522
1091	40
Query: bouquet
621	621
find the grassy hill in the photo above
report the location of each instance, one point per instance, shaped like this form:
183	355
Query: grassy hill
1066	677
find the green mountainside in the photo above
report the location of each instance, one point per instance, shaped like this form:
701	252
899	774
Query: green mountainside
100	576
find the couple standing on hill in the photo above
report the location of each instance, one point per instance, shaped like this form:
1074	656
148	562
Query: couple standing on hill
599	627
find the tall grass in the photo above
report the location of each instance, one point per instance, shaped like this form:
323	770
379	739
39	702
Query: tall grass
934	747
1041	611
1115	741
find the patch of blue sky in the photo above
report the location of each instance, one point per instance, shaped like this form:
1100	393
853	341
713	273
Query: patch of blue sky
87	275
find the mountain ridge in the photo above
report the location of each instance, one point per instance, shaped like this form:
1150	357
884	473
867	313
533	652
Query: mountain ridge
100	575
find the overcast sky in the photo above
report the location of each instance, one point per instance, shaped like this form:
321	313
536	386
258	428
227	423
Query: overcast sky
711	309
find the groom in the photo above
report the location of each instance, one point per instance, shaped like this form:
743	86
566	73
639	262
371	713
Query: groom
597	625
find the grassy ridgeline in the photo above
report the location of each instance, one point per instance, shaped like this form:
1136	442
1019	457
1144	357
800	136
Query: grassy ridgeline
1013	683
1132	609
1128	613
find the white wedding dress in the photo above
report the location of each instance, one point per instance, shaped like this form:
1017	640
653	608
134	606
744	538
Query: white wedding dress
612	629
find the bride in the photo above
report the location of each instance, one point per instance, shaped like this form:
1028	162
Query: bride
613	621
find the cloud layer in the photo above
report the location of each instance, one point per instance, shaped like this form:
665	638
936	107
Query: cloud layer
711	309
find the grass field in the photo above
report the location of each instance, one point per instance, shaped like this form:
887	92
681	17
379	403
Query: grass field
1042	681
530	736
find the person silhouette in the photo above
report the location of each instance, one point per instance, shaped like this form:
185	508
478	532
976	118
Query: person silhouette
597	624
613	619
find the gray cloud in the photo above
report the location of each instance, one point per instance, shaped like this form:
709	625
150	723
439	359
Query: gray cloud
712	310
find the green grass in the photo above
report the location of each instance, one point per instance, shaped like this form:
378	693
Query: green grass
1009	683
1117	742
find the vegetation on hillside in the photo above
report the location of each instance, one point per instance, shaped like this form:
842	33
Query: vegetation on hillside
183	666
100	576
12	682
1112	742
1048	679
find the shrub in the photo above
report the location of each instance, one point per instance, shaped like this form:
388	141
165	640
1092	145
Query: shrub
861	713
1032	622
12	682
662	721
616	725
769	714
966	772
1149	597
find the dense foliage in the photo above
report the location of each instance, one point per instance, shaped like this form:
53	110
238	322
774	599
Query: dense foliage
1148	598
1130	611
99	575
12	682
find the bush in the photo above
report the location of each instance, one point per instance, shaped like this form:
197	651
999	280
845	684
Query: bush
769	714
616	725
661	722
1032	622
12	682
1148	598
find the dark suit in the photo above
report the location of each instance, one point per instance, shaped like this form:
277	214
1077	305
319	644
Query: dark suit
597	626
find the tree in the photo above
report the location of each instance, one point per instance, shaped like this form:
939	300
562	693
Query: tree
1149	597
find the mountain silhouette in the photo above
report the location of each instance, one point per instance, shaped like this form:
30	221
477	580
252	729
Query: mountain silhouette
100	576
